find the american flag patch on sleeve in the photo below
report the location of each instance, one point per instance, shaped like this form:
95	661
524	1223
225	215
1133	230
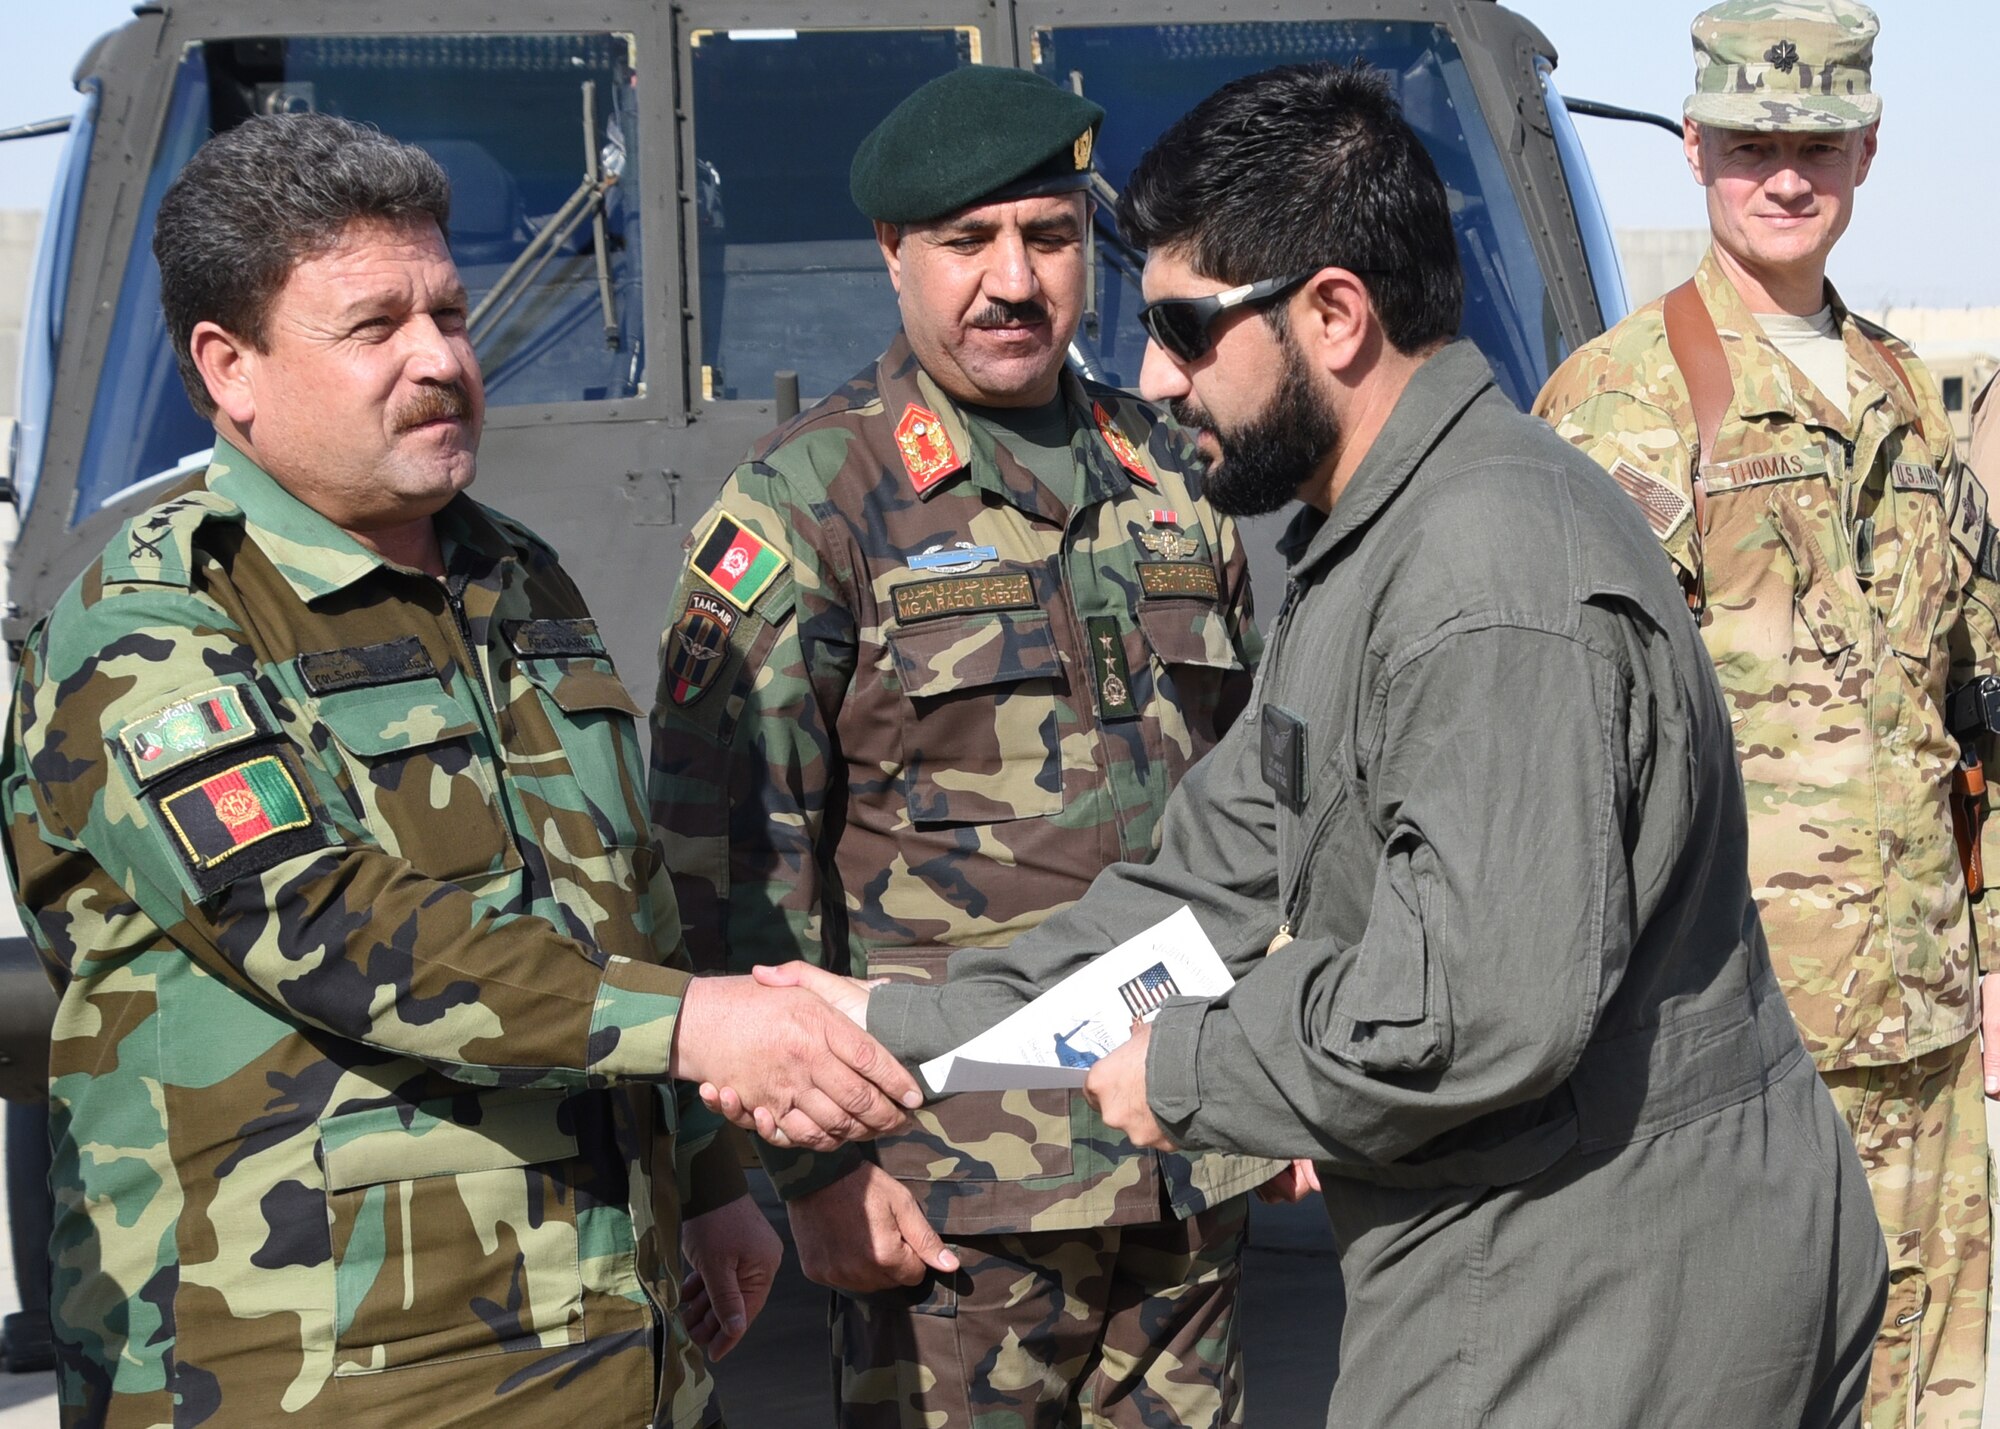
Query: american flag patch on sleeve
1665	508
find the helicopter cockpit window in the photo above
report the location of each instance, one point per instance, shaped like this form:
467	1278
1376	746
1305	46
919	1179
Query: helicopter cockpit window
1147	76
790	275
538	134
41	332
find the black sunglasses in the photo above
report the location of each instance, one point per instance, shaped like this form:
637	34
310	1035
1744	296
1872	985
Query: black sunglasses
1180	325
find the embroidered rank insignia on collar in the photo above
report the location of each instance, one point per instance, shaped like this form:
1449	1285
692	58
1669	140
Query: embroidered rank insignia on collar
928	455
1121	445
739	564
188	728
533	638
695	646
1663	507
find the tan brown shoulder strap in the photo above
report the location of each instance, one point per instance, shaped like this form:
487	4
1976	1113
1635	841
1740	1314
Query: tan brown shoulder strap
1697	351
1902	376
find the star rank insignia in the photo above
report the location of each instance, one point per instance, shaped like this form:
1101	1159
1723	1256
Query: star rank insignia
927	452
1121	446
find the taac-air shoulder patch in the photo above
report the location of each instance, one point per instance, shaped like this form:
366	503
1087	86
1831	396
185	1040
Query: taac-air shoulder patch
190	727
1663	507
532	639
925	446
963	595
1121	445
234	820
740	564
358	667
1163	579
695	646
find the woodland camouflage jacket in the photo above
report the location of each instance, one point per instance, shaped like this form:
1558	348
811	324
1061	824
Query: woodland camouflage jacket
912	701
346	875
1844	565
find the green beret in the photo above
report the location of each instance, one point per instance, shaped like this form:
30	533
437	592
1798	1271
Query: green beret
977	134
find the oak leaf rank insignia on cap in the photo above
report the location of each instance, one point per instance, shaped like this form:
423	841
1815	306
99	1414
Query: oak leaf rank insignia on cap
927	452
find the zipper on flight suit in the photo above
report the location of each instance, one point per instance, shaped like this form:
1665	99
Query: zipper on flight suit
1288	902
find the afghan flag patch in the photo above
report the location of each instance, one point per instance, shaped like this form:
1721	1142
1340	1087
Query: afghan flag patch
228	812
186	729
735	561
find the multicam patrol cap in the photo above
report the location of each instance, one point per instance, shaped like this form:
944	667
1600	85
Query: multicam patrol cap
1776	65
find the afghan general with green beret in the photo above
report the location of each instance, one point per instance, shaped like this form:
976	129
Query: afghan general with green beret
941	650
1799	469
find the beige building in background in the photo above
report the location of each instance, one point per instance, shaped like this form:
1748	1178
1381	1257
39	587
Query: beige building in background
18	228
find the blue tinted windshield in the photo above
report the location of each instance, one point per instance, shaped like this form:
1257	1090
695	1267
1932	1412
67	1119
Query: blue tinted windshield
505	115
41	330
791	278
1147	76
1600	249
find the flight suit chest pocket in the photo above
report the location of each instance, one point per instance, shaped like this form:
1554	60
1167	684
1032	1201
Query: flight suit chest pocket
980	725
454	1230
414	756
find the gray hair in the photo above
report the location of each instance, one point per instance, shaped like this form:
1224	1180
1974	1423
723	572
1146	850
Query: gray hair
262	198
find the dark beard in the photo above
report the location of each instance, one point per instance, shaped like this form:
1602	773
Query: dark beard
1265	463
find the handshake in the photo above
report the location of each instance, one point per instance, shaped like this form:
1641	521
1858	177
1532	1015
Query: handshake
782	1053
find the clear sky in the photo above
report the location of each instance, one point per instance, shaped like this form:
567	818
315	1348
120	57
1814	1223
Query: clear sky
1927	226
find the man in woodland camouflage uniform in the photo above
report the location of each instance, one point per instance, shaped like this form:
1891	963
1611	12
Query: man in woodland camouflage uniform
326	807
1797	464
944	645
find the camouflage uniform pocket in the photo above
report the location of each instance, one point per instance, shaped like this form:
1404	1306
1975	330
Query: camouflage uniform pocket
1191	640
980	1136
980	738
424	789
451	1238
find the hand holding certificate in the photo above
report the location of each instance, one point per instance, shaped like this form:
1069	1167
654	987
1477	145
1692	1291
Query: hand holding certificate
1055	1040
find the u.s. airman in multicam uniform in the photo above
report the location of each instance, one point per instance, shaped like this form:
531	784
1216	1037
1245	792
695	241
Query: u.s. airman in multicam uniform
932	666
1842	565
327	809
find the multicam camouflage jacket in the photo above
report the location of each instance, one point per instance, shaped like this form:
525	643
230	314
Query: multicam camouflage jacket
912	701
346	875
1838	566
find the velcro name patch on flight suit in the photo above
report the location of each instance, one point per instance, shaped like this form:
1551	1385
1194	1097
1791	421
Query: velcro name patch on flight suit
534	639
962	595
1281	756
360	667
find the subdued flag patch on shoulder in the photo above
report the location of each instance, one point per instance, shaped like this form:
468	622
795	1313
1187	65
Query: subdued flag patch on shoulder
1665	508
736	561
190	727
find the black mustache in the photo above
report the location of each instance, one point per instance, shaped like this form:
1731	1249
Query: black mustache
1001	314
432	403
